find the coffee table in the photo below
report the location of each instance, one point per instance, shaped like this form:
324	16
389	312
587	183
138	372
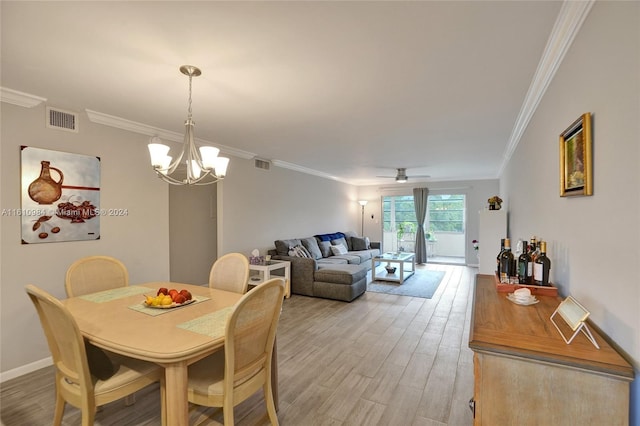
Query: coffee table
394	258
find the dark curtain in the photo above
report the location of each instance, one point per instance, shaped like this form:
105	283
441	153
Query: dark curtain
420	196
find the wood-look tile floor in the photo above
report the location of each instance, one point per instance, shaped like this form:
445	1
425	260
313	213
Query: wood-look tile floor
379	360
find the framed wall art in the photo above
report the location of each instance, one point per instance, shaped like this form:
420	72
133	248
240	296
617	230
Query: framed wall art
60	195
576	177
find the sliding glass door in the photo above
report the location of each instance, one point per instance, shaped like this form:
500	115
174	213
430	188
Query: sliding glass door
444	225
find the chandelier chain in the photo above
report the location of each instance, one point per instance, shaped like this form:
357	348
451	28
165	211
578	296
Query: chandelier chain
189	110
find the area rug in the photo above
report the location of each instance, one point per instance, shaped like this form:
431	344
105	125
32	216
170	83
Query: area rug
423	283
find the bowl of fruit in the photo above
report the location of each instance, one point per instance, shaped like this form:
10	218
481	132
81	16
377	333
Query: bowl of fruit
167	299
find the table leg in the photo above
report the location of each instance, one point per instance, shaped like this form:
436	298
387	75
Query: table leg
373	269
177	406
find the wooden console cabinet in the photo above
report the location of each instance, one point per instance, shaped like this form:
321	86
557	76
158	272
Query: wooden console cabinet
525	374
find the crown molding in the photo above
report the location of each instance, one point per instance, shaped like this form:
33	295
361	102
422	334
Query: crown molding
567	25
297	168
144	129
22	99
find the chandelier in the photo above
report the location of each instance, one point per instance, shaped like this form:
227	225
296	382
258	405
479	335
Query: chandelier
192	166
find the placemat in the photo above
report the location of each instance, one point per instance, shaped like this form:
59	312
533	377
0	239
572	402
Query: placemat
116	293
141	307
211	325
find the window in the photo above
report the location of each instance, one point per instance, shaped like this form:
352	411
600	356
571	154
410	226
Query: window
399	211
445	213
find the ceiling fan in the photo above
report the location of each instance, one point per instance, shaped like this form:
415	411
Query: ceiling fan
402	177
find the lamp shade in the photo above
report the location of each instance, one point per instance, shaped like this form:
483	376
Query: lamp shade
195	170
221	166
363	202
209	156
158	152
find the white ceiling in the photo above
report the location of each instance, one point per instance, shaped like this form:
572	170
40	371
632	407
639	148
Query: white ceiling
346	89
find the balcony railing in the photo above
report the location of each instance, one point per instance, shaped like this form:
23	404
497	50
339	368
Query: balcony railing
442	243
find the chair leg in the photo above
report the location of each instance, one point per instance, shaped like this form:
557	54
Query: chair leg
129	400
227	410
271	406
59	410
88	415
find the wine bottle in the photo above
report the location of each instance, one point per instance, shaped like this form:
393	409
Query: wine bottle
498	257
541	266
535	249
506	262
525	265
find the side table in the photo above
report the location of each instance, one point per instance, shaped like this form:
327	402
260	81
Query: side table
263	273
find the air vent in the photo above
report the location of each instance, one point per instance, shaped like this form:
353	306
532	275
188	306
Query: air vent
262	164
62	120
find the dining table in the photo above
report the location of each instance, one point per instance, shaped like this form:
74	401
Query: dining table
120	321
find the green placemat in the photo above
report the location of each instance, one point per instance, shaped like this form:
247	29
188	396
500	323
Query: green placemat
141	307
116	293
211	325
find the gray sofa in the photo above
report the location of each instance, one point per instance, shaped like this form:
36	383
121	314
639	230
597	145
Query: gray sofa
320	271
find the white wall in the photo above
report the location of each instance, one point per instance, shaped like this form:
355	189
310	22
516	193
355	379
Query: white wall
258	207
139	239
192	232
593	241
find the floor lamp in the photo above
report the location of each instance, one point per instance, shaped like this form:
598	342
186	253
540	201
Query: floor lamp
362	204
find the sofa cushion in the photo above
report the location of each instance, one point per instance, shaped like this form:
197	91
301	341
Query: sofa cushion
283	246
350	258
325	248
340	242
347	236
338	249
299	251
364	255
333	260
358	243
311	244
341	274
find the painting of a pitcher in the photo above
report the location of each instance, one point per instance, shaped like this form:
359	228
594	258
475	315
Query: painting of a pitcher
60	196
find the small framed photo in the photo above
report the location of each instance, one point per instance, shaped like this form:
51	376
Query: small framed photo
576	177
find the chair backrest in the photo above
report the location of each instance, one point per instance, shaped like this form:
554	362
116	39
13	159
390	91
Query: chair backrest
251	331
95	273
66	345
231	273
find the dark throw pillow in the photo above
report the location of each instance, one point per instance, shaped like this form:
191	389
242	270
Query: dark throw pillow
359	243
100	365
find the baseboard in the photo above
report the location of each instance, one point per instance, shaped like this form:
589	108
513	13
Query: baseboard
25	369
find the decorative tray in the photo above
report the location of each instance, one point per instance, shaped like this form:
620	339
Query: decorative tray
536	290
171	306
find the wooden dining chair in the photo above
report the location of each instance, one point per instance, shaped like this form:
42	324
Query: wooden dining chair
75	383
95	273
228	377
231	273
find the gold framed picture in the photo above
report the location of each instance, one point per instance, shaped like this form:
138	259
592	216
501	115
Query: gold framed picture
576	177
